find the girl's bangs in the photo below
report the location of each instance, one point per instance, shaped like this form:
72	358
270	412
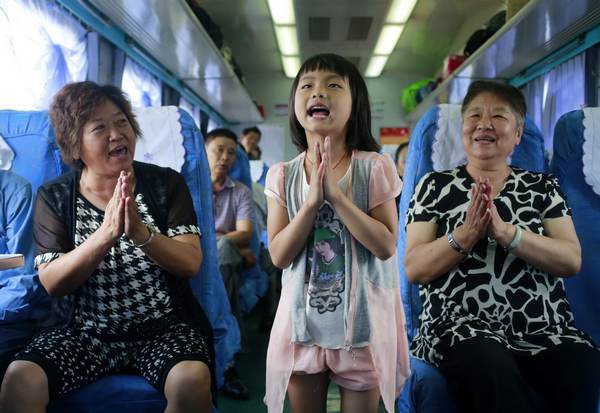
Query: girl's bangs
327	63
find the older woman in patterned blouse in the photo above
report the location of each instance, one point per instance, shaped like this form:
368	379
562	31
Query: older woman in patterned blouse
490	243
116	242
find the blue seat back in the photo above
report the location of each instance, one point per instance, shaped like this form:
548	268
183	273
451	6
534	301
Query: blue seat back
30	136
254	281
529	154
583	290
208	285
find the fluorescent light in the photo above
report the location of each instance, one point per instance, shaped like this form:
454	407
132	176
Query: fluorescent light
287	40
376	65
400	11
388	38
282	11
291	65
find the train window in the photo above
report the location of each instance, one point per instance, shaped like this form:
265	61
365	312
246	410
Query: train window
34	35
141	86
190	108
555	93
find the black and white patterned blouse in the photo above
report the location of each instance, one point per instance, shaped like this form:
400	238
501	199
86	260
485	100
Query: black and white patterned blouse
128	292
492	293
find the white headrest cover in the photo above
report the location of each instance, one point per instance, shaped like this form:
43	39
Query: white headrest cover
161	142
591	147
447	151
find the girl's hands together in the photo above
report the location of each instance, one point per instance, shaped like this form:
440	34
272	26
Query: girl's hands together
331	190
315	190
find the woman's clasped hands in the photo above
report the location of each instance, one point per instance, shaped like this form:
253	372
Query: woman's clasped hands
121	214
482	219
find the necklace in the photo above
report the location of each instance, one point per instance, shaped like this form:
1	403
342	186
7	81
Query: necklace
334	166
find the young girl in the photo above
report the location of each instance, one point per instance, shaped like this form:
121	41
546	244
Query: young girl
345	325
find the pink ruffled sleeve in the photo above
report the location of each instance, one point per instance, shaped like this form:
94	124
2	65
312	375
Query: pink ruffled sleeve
274	184
385	184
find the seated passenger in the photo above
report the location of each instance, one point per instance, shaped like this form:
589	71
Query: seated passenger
250	140
234	216
490	244
23	301
116	242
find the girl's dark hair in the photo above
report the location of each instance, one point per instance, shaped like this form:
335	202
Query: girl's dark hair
504	91
359	125
72	107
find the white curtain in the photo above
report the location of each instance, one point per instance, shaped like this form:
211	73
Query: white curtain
190	108
42	48
552	95
143	88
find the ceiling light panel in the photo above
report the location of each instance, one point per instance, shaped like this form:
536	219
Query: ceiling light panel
400	11
282	11
287	40
376	65
388	38
291	65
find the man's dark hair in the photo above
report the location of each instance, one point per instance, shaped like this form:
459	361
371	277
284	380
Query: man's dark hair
220	133
251	129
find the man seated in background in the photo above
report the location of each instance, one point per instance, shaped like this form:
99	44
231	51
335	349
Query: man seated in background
234	216
250	140
22	297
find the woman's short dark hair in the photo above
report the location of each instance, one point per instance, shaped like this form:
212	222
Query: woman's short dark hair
220	133
504	91
359	125
72	108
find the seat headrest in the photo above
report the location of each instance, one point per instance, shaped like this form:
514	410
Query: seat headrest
591	148
161	142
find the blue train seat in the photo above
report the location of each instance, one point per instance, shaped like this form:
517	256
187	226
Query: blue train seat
426	389
23	301
254	280
576	139
34	147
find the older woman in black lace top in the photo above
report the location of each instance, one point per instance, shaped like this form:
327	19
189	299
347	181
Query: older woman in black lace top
116	242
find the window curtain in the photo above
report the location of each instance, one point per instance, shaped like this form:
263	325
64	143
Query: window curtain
142	87
557	92
193	110
204	118
42	48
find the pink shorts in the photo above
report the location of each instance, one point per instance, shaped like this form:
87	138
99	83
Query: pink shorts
353	370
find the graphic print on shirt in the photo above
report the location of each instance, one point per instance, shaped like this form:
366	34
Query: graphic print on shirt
327	262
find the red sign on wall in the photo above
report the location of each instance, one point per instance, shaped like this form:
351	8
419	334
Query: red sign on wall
393	136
